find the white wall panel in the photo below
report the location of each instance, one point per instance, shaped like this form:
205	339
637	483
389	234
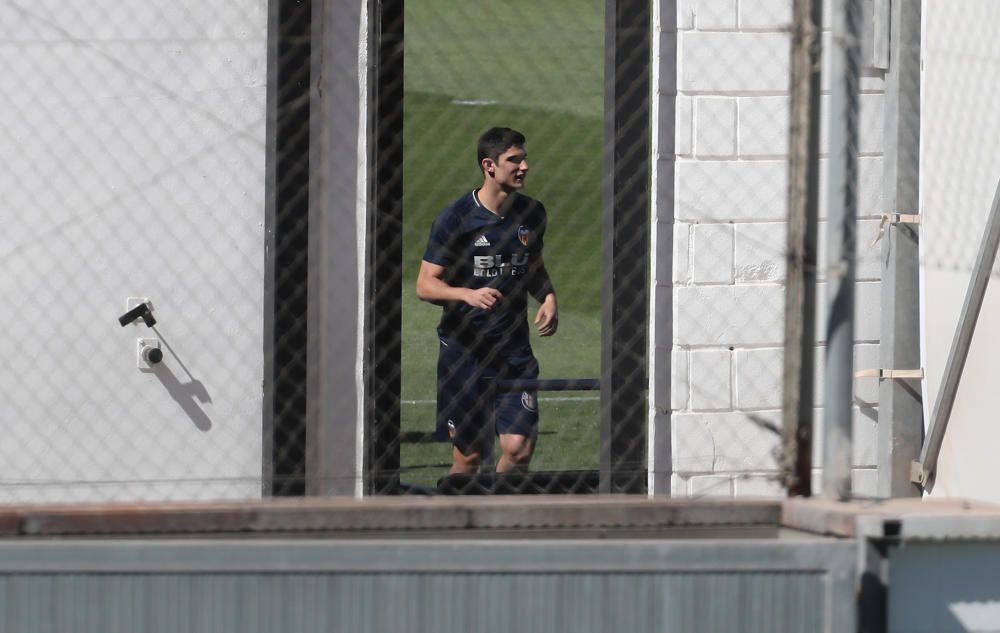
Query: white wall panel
136	168
960	170
730	208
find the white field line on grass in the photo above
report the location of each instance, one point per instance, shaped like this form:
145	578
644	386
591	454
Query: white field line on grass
474	102
552	399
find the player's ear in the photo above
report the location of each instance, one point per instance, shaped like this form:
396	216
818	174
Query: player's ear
489	167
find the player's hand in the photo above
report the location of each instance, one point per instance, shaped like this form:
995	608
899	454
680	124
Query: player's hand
483	298
547	318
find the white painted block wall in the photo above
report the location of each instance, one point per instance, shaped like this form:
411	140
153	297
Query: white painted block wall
723	338
133	166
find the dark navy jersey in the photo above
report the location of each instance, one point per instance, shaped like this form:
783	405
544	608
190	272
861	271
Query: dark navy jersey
479	248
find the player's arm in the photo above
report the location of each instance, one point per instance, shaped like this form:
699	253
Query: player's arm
432	288
540	287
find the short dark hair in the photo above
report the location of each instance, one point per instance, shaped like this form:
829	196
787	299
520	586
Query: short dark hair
496	141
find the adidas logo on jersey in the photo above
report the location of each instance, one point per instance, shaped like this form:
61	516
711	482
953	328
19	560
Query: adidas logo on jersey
482	241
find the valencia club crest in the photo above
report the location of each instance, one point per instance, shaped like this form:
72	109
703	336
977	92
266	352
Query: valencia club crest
523	234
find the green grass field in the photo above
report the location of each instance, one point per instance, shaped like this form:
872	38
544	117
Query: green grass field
536	67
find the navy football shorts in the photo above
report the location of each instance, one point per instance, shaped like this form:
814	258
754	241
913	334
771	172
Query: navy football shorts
462	413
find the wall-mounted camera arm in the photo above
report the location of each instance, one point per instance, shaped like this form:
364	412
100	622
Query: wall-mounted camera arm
141	311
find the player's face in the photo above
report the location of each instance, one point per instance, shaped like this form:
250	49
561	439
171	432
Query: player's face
511	168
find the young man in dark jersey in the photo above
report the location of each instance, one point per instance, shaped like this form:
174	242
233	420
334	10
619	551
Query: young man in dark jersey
483	259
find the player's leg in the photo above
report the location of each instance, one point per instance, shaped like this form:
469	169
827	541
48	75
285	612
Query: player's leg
458	392
516	451
517	415
464	463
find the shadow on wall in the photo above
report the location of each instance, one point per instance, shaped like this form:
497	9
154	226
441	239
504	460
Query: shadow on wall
189	395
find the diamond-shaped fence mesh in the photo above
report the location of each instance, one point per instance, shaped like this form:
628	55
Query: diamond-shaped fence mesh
539	70
135	168
597	307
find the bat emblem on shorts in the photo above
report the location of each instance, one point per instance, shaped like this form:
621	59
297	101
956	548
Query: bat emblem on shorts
528	401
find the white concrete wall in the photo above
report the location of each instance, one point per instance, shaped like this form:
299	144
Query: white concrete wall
960	172
728	226
133	166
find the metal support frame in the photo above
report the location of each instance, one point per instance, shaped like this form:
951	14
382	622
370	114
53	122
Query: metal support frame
624	298
900	412
923	471
286	259
267	457
625	289
845	72
877	32
663	218
331	459
385	248
803	218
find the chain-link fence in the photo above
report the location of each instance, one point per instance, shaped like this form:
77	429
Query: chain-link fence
540	70
135	169
343	299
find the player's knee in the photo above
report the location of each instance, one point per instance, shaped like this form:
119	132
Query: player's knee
518	449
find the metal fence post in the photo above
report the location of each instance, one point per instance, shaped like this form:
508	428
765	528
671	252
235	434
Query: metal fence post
331	430
900	408
845	71
624	294
384	255
803	214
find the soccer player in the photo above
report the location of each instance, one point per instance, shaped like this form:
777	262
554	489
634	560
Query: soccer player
483	259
